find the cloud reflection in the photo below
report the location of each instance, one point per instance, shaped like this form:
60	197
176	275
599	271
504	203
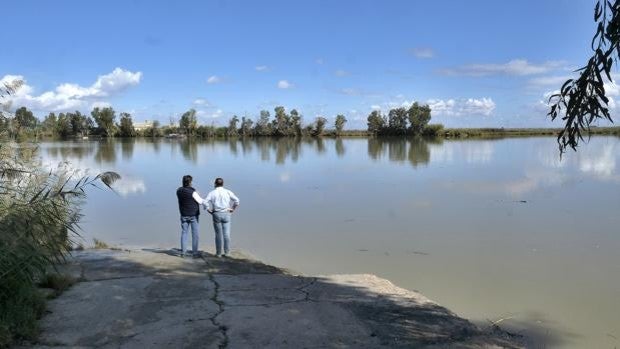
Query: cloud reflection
126	186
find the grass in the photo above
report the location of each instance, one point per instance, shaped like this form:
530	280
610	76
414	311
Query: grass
39	215
57	282
100	245
20	312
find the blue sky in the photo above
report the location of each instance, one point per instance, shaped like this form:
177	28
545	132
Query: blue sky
477	63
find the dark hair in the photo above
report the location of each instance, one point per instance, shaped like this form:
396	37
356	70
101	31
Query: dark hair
219	182
187	180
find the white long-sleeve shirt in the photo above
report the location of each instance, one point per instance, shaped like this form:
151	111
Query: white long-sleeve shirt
197	198
221	200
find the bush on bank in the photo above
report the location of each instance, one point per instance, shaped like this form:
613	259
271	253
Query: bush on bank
39	213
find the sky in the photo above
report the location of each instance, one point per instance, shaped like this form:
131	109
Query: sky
477	63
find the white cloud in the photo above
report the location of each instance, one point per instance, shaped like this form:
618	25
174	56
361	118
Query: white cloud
201	102
284	84
600	163
341	73
545	81
319	61
214	79
422	52
285	177
100	104
210	114
375	107
261	68
126	186
518	67
68	96
458	107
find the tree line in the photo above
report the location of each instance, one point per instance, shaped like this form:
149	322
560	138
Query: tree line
103	122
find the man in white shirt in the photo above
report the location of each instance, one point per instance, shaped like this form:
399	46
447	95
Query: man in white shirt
221	203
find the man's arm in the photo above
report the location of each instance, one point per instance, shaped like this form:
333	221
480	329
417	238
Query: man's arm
234	199
207	203
199	200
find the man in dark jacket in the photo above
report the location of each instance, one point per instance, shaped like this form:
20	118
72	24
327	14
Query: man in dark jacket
189	207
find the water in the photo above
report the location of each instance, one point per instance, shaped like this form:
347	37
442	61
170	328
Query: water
488	228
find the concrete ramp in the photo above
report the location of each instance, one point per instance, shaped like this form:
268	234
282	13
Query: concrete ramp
155	299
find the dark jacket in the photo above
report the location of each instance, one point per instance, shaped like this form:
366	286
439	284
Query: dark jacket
187	205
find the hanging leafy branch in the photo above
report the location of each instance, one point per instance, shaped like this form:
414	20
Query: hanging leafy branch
582	101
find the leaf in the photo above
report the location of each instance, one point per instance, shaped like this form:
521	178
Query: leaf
108	178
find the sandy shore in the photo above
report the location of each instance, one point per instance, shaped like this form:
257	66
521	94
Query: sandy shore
147	298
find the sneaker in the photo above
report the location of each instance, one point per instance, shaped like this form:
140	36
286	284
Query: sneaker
197	255
218	255
226	255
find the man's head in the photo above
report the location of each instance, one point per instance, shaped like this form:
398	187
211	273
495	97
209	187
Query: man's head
219	182
187	180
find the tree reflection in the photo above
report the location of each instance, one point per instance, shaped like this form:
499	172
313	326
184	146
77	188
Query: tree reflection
127	146
419	153
246	145
320	145
232	145
156	145
106	152
340	150
414	150
69	151
189	149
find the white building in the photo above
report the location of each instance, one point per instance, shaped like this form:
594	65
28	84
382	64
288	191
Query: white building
140	126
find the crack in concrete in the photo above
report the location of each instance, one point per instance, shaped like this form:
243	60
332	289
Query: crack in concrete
302	289
223	329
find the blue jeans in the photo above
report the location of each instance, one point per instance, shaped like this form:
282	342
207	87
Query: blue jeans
186	222
221	225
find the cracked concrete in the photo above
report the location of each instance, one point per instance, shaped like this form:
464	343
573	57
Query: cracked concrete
154	299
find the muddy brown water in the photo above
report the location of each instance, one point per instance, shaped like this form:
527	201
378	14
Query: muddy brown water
492	229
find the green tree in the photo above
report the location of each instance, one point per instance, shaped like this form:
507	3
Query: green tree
49	124
339	124
419	116
319	126
263	125
376	122
233	129
582	101
188	122
105	118
79	123
295	123
63	126
126	126
154	131
25	119
246	127
281	122
397	121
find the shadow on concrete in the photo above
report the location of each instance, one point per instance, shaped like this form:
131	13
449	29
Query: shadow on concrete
153	298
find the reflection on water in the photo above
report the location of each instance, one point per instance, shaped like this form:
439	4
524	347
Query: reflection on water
489	228
106	152
414	150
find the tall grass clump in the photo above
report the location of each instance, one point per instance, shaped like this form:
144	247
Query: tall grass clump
39	216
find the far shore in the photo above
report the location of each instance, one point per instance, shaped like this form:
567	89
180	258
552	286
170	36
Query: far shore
441	133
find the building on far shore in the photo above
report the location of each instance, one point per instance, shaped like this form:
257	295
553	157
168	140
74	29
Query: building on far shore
140	126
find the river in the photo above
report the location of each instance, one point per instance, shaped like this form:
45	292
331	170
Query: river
491	229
